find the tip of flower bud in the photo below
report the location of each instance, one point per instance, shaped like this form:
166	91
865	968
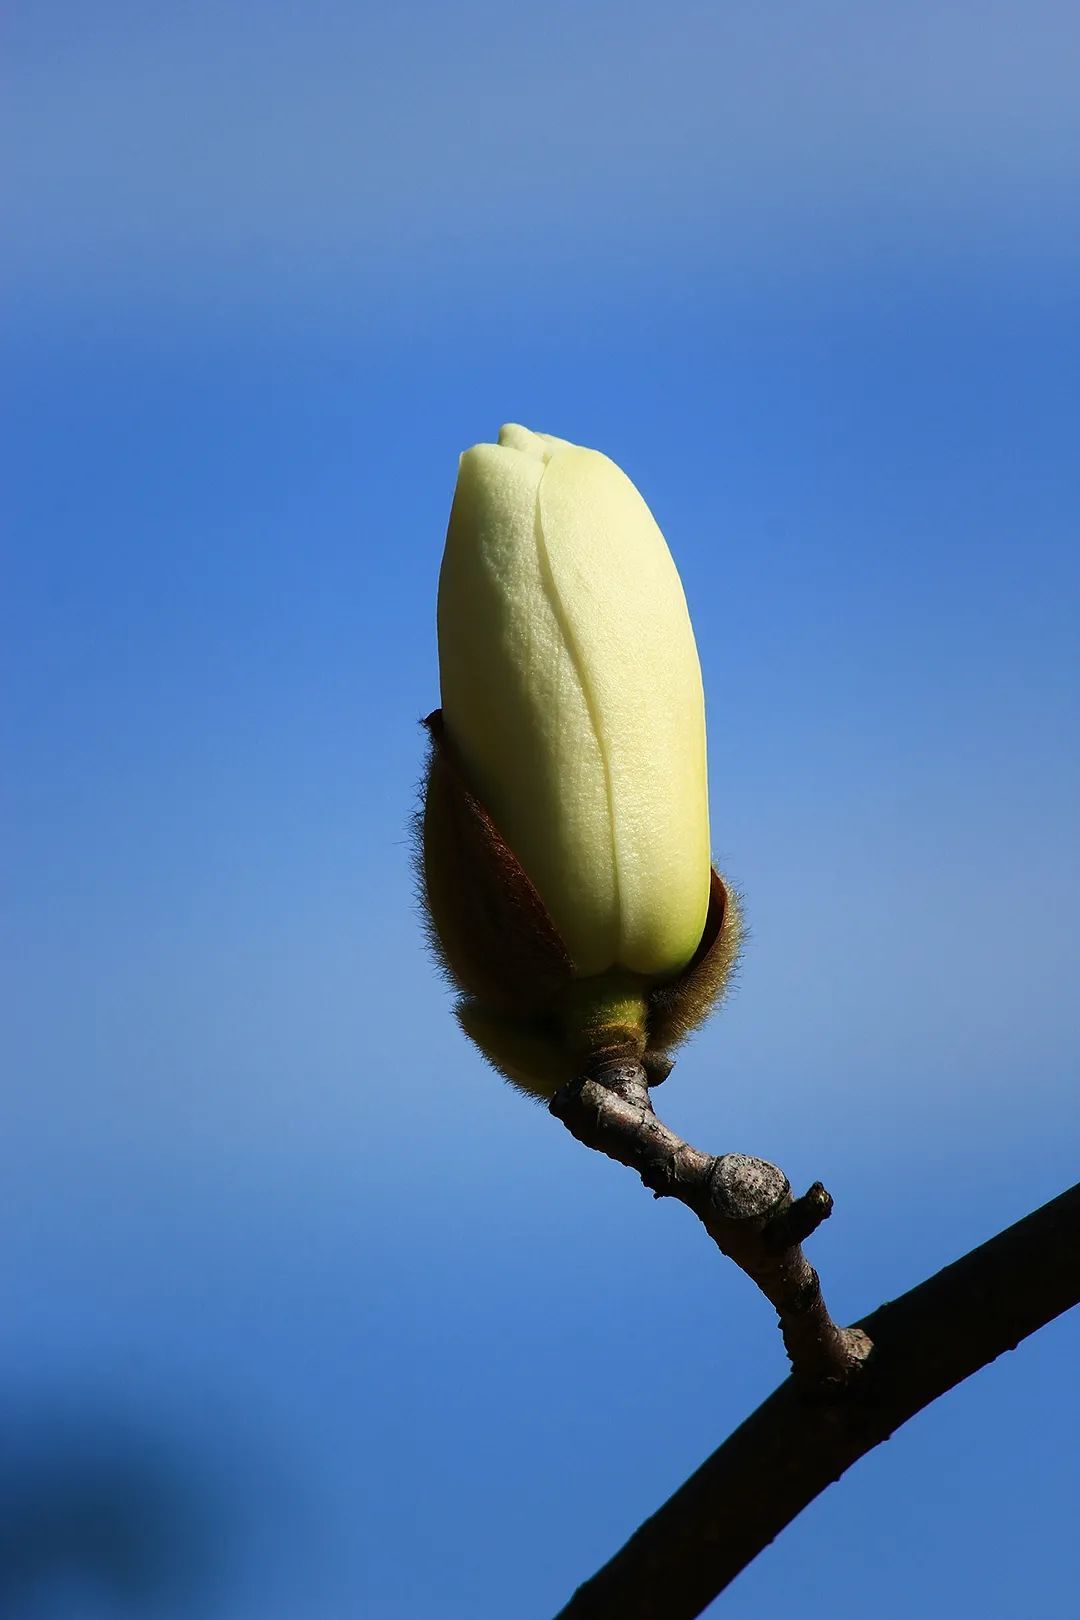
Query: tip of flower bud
512	436
542	446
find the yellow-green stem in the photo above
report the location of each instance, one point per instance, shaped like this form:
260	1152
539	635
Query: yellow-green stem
604	1014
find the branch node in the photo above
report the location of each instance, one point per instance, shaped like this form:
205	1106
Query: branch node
741	1188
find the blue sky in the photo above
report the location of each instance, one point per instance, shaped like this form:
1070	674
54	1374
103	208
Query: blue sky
282	1256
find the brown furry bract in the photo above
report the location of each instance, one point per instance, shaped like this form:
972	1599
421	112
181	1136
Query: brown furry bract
499	947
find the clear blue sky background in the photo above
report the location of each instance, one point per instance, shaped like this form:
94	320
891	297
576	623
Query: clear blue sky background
320	1319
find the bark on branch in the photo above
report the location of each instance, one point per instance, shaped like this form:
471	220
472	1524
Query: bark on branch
745	1204
791	1449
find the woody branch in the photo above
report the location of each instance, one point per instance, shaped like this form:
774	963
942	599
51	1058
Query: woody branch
745	1204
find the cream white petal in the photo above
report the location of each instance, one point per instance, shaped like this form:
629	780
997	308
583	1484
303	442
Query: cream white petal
623	612
513	701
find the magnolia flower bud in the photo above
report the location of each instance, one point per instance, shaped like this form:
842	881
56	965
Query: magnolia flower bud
567	864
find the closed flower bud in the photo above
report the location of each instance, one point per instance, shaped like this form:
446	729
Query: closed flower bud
566	831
